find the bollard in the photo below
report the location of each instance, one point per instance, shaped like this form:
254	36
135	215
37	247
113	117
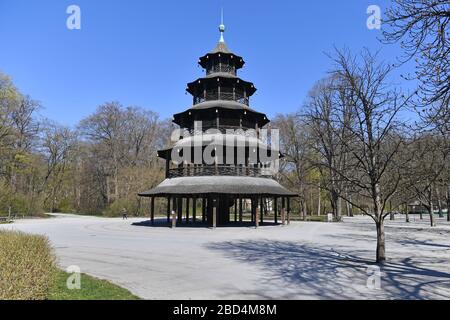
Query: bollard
174	220
214	217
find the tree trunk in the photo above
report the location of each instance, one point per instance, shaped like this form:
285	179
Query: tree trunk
349	207
378	211
381	247
432	221
338	208
302	210
406	213
448	204
108	191
439	203
349	210
116	184
318	203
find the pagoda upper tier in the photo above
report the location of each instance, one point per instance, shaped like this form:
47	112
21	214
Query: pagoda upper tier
221	60
221	99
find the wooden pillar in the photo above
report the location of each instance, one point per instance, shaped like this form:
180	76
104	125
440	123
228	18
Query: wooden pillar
203	210
180	210
275	210
261	211
168	209
283	211
194	209
252	205
152	211
187	209
240	209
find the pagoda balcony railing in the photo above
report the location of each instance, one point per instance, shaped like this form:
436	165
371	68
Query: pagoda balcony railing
229	96
221	68
241	130
219	170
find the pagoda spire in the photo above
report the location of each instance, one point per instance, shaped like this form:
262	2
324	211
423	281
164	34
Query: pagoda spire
221	28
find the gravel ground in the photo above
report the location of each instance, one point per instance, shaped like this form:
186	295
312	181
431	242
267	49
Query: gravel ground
305	260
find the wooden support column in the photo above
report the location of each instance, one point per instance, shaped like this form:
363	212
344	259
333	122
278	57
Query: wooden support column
252	205
168	209
187	209
240	209
283	211
261	211
194	209
203	210
152	211
275	209
255	206
180	210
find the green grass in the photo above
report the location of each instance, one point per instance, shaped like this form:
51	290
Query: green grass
91	289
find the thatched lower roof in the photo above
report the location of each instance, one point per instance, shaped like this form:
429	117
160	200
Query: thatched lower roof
245	186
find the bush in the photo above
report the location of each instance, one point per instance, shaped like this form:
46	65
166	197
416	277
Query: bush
27	266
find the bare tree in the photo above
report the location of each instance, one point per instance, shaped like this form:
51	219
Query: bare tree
123	142
293	145
57	144
328	114
426	171
374	138
422	28
106	128
9	98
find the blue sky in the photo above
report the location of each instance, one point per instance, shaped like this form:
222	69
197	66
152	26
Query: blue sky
144	52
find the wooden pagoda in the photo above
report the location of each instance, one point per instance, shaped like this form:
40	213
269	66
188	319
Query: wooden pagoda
215	194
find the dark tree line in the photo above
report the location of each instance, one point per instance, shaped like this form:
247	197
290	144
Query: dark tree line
97	167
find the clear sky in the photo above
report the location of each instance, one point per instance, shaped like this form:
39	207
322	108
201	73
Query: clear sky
142	52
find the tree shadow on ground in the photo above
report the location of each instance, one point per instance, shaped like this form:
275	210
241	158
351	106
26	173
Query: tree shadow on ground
162	223
310	271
